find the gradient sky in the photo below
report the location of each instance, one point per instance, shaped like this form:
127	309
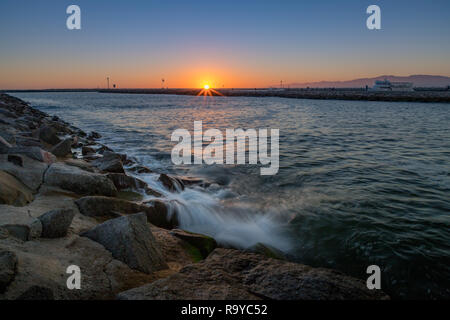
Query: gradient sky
246	43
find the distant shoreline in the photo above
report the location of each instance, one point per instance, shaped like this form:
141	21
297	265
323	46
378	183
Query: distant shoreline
419	95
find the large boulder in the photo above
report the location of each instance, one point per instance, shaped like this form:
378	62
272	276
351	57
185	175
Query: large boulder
78	181
125	182
110	162
130	240
98	206
42	264
63	148
56	223
8	268
162	215
171	183
13	192
32	152
204	244
28	171
106	207
87	150
233	274
79	163
140	169
48	134
28	142
19	223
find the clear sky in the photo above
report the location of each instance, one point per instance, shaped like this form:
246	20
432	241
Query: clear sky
246	43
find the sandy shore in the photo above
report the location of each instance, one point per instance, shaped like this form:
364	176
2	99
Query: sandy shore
66	199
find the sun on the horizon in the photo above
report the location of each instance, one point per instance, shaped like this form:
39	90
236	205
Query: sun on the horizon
208	91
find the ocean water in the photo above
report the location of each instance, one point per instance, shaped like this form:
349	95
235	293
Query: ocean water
359	183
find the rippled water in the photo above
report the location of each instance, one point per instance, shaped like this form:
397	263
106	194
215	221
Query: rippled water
360	183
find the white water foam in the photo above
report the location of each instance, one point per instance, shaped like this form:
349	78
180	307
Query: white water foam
202	211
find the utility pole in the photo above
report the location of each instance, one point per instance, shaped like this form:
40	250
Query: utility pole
107	80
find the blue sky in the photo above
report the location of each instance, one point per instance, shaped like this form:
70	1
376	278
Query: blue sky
231	43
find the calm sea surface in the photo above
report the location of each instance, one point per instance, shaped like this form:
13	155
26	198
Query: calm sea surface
360	183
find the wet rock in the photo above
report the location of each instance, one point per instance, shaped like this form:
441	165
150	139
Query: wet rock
103	149
91	157
140	169
75	142
8	268
94	135
56	223
232	274
63	148
204	244
87	150
161	214
48	134
80	133
78	181
268	251
13	192
188	181
30	173
130	240
111	162
125	182
171	183
37	293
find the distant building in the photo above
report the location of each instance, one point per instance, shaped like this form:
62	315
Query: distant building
386	85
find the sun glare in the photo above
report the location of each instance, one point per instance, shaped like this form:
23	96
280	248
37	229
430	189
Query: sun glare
208	91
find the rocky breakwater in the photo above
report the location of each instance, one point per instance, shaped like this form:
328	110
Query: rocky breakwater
66	199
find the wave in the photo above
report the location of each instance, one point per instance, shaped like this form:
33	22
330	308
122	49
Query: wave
203	211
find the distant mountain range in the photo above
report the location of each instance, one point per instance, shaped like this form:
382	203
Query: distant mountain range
417	80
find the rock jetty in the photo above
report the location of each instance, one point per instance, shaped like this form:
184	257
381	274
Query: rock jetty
62	204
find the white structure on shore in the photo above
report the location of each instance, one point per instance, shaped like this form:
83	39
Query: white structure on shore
386	85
